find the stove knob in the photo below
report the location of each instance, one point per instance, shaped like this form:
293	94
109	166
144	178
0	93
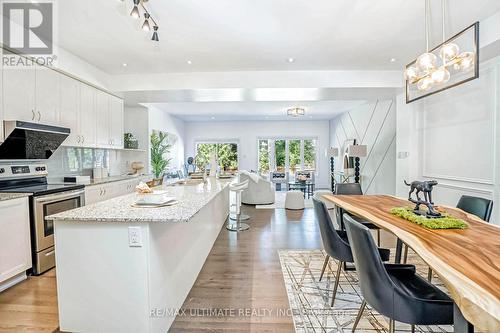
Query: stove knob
2	170
37	169
43	168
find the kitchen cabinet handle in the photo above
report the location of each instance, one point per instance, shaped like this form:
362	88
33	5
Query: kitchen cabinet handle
39	116
48	254
78	139
83	138
33	115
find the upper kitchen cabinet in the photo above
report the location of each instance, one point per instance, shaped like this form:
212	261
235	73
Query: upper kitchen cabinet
116	122
69	109
103	119
88	115
47	95
19	93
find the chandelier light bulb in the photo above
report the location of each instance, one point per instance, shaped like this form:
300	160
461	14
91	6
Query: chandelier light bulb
411	73
426	62
441	75
449	51
425	83
467	60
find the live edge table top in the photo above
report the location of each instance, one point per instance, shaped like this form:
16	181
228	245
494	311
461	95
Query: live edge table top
468	261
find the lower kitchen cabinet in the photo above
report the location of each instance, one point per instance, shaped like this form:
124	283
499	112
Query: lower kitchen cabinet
15	243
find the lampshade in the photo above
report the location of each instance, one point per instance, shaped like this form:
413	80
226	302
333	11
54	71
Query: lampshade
333	152
357	151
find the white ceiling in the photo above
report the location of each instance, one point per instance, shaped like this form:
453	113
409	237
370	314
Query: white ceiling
249	111
236	35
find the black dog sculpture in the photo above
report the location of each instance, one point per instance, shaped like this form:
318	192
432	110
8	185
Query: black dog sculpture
426	188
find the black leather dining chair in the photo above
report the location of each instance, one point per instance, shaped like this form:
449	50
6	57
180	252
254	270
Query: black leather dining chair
480	207
353	189
394	290
335	243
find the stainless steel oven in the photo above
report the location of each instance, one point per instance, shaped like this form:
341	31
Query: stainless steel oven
43	230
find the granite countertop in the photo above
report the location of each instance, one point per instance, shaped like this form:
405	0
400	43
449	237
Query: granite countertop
191	198
10	196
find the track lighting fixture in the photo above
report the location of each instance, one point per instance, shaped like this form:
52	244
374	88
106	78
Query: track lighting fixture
145	25
135	11
155	34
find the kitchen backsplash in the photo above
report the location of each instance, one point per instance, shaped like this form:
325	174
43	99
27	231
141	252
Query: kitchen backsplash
81	161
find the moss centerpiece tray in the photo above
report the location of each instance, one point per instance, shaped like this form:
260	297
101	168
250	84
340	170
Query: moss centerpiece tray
445	222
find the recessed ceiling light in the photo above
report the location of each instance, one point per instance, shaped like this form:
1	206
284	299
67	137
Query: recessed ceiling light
212	118
124	64
189	62
290	60
393	60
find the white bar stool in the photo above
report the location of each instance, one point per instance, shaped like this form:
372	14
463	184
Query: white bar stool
235	204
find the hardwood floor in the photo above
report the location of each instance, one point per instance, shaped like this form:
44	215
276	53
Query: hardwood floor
241	274
30	306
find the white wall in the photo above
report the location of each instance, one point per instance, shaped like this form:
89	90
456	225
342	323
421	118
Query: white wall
162	121
372	124
454	137
247	134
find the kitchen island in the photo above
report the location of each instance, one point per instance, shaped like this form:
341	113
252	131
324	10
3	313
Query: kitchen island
126	269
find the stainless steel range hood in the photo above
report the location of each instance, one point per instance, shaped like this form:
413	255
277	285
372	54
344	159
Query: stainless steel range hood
31	141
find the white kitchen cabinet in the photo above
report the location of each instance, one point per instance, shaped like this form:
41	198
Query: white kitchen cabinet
15	244
103	119
19	93
116	121
69	109
87	108
46	95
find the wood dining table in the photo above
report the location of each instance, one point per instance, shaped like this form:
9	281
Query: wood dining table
467	261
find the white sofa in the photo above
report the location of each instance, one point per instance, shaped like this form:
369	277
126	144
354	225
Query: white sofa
260	192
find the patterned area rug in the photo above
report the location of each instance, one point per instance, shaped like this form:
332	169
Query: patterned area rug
310	299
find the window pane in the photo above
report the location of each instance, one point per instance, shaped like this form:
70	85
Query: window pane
280	155
203	152
264	157
310	154
294	157
227	156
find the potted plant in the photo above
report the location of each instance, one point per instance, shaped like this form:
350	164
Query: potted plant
159	147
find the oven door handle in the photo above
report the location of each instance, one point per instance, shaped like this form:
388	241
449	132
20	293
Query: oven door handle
57	197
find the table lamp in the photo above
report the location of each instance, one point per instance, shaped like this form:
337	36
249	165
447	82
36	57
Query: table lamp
357	151
332	153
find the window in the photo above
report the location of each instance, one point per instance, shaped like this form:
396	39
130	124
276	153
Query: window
264	162
294	157
280	155
225	152
310	155
286	155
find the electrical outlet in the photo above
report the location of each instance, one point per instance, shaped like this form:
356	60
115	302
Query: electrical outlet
134	237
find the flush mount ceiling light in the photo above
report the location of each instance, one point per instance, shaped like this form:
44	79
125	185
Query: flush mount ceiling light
445	66
296	112
146	26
